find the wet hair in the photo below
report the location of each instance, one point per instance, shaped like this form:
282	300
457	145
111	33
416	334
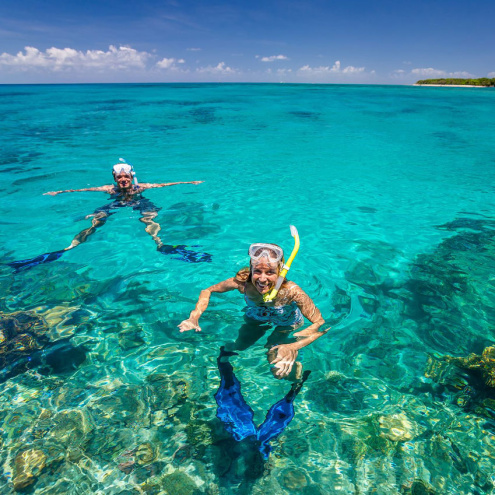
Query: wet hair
243	275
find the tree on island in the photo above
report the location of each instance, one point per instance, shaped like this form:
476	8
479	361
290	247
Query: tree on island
481	81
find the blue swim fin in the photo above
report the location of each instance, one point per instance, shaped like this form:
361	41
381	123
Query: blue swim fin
24	265
237	416
278	417
184	254
232	410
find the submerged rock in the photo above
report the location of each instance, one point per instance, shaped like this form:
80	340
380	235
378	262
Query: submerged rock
145	454
450	294
166	392
108	442
21	334
25	345
71	428
179	482
126	467
468	381
396	427
339	394
12	324
61	320
485	364
131	338
294	480
418	487
28	465
127	405
61	357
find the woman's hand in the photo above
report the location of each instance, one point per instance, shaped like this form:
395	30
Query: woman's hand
51	193
189	325
284	359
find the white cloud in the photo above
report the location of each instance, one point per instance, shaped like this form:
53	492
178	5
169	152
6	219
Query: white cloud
491	74
335	69
221	68
58	59
169	63
430	72
193	49
273	58
436	73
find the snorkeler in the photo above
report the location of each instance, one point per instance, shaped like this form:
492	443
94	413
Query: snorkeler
126	192
270	300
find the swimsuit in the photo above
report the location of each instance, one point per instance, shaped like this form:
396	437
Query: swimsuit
138	203
288	315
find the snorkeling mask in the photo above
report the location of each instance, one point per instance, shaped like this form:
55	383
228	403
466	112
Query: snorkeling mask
274	254
126	168
271	252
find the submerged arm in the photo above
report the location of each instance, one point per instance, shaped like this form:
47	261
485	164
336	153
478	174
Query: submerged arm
166	184
311	313
287	353
204	298
99	189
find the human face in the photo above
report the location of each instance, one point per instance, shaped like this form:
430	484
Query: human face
123	180
264	276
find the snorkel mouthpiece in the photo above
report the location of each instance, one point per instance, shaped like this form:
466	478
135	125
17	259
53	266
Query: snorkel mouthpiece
270	296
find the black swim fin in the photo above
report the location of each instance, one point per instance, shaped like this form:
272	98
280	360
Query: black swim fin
226	354
296	387
184	254
24	265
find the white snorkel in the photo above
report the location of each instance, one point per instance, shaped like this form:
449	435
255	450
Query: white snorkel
127	168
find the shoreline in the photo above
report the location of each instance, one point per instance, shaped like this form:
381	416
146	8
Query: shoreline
452	85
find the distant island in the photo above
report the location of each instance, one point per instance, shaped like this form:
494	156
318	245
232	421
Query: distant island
480	82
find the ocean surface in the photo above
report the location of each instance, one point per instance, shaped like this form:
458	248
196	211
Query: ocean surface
392	190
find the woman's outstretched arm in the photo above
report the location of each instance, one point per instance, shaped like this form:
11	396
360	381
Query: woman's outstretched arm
166	184
99	189
204	298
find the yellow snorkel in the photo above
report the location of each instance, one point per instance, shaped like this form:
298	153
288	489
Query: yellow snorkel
270	296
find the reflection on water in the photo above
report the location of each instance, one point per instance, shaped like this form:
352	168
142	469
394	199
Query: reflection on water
90	396
391	191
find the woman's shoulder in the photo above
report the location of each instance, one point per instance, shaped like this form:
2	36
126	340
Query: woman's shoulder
290	286
225	285
290	292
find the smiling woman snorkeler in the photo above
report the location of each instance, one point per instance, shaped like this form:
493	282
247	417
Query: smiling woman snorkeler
286	310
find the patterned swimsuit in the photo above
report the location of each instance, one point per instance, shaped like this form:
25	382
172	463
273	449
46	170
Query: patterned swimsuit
138	203
289	315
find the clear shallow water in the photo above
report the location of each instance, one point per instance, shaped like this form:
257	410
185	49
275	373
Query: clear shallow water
392	191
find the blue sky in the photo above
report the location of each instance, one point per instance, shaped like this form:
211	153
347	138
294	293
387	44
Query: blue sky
312	41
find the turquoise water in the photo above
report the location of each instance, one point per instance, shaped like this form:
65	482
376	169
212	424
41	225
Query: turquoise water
392	191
